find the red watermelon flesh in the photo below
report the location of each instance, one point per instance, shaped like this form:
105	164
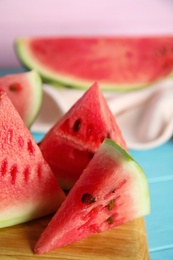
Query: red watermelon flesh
25	91
112	190
28	188
120	63
71	143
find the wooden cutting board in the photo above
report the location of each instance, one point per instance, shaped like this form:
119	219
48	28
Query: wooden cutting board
128	241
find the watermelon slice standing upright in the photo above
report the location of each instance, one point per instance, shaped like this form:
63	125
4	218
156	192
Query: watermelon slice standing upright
117	63
112	190
25	91
28	188
71	143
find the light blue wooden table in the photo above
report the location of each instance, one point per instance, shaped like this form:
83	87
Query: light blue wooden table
158	166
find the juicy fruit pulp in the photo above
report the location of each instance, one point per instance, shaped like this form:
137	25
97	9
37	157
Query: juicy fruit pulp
28	188
120	63
25	92
111	191
71	143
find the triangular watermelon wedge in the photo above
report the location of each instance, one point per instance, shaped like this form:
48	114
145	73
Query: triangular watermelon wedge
117	63
73	140
28	188
25	91
112	190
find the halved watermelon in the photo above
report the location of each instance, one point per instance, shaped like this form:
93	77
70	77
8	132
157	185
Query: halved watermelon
25	91
111	191
120	63
28	188
71	143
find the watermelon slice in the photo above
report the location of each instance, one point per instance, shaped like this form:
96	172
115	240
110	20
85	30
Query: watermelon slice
120	63
28	188
25	92
71	143
111	191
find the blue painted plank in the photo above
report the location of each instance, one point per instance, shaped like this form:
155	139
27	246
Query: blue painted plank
11	71
37	137
158	162
166	254
159	223
158	166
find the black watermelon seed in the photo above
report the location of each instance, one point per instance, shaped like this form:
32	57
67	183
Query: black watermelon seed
111	204
88	199
110	220
77	125
15	87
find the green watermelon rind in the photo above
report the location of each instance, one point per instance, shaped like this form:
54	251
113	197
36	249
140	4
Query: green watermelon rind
28	188
30	213
118	153
32	92
36	94
116	159
59	80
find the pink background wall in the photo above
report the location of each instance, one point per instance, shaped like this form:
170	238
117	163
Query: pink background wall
77	17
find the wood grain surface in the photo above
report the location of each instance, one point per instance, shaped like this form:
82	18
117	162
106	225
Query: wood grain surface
128	241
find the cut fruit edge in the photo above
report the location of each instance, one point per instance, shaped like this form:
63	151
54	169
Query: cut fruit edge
30	62
139	196
25	193
37	95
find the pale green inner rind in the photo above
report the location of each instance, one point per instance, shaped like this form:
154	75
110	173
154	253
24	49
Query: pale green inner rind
22	48
26	211
36	97
141	196
18	220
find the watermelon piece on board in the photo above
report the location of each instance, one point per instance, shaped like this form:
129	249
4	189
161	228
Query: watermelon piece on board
71	143
25	91
117	63
28	188
112	190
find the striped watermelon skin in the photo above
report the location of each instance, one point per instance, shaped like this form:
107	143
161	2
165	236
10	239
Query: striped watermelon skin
28	188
